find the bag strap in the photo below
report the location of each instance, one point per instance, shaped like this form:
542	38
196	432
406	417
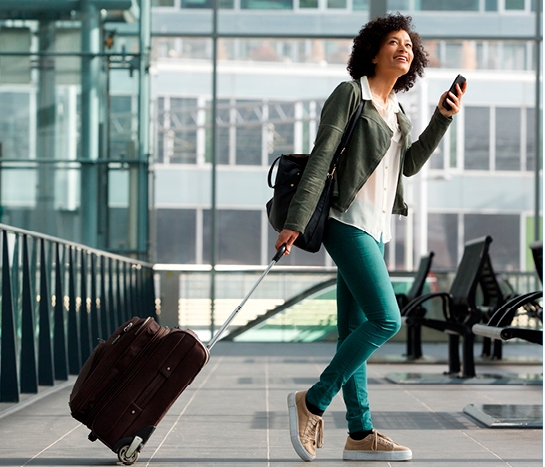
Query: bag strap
347	135
269	176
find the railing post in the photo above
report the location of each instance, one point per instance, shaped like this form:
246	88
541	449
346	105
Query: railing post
28	375
84	331
104	308
9	390
95	333
45	354
59	343
74	360
120	302
127	275
140	302
150	292
112	305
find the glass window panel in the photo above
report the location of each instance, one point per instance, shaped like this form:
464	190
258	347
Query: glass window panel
187	48
491	5
504	230
437	160
530	139
162	2
477	139
266	4
121	126
159	121
443	239
308	3
224	129
454	57
398	5
14	125
514	4
281	129
196	4
360	5
453	130
337	51
239	239
508	138
249	132
336	3
118	228
182	132
176	236
227	4
248	141
514	56
448	5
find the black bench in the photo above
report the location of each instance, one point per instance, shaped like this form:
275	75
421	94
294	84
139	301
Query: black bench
459	305
499	326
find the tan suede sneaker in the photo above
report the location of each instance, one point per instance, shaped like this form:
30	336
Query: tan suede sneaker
306	429
375	447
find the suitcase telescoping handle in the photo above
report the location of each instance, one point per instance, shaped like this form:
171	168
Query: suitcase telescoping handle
275	260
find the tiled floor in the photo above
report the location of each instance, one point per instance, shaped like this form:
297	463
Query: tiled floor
234	414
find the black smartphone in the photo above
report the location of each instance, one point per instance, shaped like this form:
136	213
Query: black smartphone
458	80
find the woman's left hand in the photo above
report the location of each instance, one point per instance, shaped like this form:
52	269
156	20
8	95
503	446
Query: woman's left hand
453	99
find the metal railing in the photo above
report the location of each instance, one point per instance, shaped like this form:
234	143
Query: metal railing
57	299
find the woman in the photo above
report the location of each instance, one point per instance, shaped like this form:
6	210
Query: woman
387	56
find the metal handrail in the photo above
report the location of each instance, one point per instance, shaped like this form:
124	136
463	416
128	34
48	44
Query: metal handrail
64	296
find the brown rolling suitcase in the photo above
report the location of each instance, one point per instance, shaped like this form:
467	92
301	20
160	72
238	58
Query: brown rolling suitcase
131	380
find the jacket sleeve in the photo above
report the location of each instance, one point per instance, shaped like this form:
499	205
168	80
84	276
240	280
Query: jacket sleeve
334	117
422	149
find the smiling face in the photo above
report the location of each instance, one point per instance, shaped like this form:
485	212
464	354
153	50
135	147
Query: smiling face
395	54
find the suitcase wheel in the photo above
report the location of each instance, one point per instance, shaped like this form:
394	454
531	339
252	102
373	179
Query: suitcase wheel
128	453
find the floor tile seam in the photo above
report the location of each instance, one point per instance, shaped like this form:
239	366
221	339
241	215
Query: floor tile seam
441	414
486	448
186	406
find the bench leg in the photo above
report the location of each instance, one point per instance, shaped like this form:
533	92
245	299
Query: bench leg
453	354
487	347
469	358
498	350
410	334
417	342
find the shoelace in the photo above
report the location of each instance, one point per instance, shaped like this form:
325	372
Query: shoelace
382	439
315	430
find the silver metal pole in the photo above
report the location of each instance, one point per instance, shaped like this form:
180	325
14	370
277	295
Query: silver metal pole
213	220
142	201
538	120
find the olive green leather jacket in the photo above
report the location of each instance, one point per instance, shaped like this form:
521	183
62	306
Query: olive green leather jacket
369	143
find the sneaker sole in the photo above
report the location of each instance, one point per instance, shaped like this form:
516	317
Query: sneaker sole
377	455
294	430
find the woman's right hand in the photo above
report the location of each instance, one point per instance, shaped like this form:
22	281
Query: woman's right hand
286	237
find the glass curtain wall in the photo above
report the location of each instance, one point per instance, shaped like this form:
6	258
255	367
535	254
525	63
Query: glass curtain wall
69	129
269	94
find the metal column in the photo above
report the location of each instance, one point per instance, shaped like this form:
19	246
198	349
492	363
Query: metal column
90	122
46	121
140	200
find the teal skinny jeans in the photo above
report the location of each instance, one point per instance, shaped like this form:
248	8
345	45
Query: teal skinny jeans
367	316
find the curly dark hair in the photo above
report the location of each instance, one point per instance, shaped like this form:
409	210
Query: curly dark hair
369	40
